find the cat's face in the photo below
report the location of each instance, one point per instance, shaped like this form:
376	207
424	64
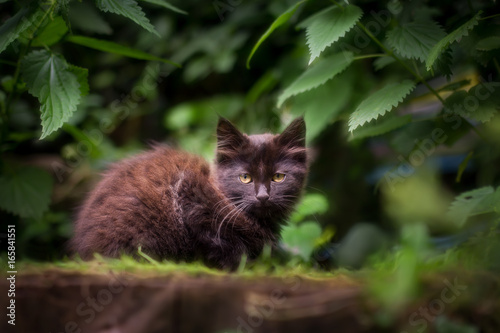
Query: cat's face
262	174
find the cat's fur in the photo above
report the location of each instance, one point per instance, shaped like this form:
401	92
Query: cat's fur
176	207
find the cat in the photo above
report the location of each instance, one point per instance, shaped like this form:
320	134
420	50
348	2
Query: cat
175	206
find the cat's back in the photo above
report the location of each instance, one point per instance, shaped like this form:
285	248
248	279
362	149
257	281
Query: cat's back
136	199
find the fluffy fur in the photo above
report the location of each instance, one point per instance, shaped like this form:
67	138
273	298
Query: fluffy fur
175	206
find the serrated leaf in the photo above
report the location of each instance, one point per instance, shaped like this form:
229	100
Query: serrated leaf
463	205
282	19
82	77
15	25
52	33
128	8
415	40
300	239
167	5
310	204
379	103
479	103
455	36
111	47
488	44
326	28
316	75
319	106
49	78
25	192
379	127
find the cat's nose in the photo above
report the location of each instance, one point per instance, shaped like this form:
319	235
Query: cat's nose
262	197
262	194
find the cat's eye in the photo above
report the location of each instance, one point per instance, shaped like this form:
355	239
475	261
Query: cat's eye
278	177
245	178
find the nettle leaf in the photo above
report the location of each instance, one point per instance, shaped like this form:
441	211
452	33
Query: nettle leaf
480	103
167	5
455	36
320	107
475	202
25	192
128	8
328	26
300	239
379	103
488	44
282	19
415	40
49	78
379	127
111	47
316	75
310	204
382	62
16	25
52	33
82	75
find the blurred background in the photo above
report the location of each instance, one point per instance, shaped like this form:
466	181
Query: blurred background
363	187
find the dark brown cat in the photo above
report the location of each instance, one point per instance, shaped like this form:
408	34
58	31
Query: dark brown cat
175	207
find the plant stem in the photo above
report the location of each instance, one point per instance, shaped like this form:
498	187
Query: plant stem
489	17
375	55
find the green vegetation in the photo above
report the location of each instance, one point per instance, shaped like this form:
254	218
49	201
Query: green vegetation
400	98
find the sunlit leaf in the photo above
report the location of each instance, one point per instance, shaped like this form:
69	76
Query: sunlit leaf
167	5
300	239
111	47
415	40
379	127
316	75
129	9
49	78
330	25
379	103
455	36
464	204
282	19
25	191
310	204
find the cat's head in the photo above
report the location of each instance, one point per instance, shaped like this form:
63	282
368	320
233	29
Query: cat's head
262	174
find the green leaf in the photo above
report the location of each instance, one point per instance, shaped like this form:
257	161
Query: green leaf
316	75
49	78
379	103
382	62
380	126
464	205
167	5
456	35
330	25
282	19
111	47
310	204
320	107
82	77
488	44
85	16
300	239
25	192
415	40
479	103
15	25
52	33
129	9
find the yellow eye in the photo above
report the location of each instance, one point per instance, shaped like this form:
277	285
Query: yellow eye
278	177
245	178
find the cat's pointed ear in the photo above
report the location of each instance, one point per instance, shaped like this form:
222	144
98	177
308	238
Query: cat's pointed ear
229	139
295	134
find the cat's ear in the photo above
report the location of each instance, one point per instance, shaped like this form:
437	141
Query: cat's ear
295	134
229	139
